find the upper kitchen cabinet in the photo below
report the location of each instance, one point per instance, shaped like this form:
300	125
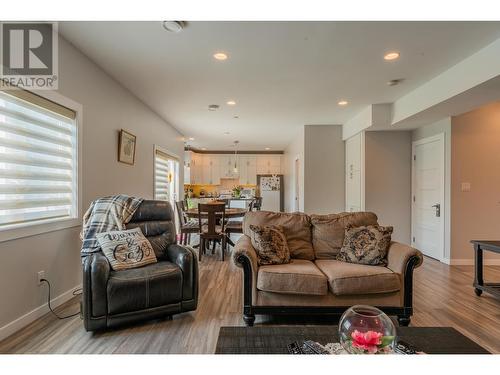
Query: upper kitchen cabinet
248	170
211	171
227	165
196	168
268	164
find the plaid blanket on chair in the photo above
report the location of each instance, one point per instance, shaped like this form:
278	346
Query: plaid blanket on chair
104	215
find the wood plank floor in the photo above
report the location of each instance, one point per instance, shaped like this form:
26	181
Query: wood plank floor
443	296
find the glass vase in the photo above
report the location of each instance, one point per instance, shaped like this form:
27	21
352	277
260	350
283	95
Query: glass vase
366	330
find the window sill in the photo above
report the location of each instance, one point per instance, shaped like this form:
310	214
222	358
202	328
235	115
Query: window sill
28	230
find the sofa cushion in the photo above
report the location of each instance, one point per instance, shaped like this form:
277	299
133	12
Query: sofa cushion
297	277
296	226
328	231
351	279
141	288
270	245
366	245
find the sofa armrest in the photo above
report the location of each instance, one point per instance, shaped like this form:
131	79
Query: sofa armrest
244	256
185	258
399	256
96	270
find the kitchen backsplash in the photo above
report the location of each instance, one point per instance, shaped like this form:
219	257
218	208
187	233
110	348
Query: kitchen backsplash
226	184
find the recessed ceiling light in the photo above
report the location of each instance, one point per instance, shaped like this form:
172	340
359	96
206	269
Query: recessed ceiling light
191	138
391	56
343	102
174	26
231	102
220	56
203	148
268	148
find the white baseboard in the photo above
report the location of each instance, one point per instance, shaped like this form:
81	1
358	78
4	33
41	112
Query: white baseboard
470	262
40	311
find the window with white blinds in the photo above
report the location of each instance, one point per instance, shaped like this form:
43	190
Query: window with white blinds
164	176
38	160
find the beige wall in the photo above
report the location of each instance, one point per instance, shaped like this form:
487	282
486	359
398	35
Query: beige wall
107	107
293	151
388	180
475	156
324	169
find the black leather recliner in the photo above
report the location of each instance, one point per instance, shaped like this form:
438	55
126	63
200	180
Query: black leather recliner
112	298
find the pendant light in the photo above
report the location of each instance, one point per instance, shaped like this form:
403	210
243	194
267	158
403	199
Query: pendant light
235	169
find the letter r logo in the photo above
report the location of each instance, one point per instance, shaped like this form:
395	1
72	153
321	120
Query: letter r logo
27	48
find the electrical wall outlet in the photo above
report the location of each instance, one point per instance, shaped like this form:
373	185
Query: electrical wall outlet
40	275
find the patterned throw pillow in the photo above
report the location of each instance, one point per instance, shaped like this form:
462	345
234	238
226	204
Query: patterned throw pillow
126	249
366	245
270	244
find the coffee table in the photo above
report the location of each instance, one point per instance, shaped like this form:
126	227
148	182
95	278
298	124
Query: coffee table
274	339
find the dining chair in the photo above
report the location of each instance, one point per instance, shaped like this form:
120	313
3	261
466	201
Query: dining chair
236	226
214	228
257	203
187	227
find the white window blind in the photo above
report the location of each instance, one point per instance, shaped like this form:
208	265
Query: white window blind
164	173
38	152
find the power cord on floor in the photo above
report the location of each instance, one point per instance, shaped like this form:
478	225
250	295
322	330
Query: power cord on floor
76	292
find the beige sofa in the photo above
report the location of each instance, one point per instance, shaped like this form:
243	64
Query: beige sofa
314	282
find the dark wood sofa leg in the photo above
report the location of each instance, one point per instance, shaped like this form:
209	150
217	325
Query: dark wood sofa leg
249	319
404	320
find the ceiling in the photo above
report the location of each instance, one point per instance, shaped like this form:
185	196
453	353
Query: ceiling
282	75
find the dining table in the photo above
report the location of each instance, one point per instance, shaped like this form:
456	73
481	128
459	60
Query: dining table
192	213
229	213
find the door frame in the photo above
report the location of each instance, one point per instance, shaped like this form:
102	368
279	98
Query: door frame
441	138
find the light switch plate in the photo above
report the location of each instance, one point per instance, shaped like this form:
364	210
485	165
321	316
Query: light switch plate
465	187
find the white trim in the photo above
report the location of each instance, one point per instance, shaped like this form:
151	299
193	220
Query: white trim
23	321
296	184
173	155
440	138
32	229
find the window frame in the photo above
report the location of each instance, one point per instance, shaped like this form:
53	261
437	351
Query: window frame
50	225
173	156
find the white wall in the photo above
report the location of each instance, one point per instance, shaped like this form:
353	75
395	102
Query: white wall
324	169
388	180
429	130
293	151
107	107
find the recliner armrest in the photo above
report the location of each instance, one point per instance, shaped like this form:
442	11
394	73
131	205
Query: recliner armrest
185	258
96	270
399	255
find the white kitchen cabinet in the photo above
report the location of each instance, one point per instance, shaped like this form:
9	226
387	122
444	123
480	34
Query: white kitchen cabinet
268	164
196	168
211	170
227	166
247	170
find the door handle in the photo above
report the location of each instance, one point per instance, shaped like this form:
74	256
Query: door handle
437	206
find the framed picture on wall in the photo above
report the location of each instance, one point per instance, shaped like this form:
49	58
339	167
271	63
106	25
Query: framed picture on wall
126	147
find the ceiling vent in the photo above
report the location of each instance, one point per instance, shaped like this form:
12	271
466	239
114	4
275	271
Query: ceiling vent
213	107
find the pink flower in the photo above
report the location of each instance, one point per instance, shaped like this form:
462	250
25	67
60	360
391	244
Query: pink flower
366	341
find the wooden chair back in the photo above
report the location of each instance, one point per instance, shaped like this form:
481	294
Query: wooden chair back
257	203
181	208
215	212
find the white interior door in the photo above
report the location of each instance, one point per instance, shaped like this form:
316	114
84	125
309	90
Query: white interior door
354	169
428	196
297	185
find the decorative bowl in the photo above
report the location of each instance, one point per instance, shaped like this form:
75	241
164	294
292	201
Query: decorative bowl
366	330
